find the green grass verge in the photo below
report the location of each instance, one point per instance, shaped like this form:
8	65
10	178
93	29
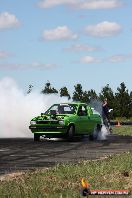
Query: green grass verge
123	119
123	130
64	181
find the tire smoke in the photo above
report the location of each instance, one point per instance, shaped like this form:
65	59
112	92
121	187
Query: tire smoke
102	135
18	108
104	132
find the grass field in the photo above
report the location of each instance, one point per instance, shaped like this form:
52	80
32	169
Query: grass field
64	181
123	130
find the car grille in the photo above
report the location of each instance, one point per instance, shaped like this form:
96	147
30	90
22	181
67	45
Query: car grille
48	122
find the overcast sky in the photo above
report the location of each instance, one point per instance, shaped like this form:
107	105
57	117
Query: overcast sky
66	42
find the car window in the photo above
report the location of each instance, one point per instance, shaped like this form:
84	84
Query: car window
67	108
54	107
82	111
63	109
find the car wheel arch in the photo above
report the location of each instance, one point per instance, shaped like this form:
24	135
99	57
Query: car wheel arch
71	124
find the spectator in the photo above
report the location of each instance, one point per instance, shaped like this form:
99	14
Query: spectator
105	114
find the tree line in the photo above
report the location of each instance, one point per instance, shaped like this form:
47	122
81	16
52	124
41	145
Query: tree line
120	100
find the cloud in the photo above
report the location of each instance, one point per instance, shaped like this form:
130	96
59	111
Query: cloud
42	66
89	59
8	20
52	3
4	54
99	4
81	47
119	58
35	65
59	33
82	4
104	29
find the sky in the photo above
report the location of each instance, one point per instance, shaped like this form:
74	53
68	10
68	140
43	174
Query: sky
66	42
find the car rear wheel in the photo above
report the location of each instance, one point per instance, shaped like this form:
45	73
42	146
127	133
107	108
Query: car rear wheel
94	135
36	137
70	132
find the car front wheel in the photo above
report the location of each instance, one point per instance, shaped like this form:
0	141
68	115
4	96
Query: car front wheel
70	132
36	137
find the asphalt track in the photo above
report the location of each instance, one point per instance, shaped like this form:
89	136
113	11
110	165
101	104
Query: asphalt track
23	153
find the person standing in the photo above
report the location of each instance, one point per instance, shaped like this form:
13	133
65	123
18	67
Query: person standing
105	114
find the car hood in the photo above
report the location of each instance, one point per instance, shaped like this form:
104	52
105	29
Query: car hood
51	117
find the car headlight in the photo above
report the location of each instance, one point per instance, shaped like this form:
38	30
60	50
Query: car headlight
61	122
32	122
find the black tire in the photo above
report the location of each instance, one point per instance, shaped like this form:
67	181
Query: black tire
36	137
91	137
70	132
94	135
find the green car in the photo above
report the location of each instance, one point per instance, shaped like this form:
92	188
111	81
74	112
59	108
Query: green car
66	120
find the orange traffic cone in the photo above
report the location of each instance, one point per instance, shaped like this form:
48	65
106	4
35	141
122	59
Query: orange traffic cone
118	124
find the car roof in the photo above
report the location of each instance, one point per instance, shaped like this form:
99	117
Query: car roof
74	103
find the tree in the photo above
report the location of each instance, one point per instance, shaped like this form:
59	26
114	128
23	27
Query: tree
29	89
85	97
89	95
123	101
130	104
92	94
78	93
108	93
48	89
64	92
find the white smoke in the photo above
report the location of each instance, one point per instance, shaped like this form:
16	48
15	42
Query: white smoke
102	135
17	108
97	107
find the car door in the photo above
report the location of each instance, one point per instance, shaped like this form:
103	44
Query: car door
82	124
91	119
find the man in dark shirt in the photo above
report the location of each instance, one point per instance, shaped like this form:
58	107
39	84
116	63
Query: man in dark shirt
105	109
105	114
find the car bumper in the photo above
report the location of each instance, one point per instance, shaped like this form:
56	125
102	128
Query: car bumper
48	129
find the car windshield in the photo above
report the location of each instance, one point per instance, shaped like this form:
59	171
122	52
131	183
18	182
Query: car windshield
63	109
